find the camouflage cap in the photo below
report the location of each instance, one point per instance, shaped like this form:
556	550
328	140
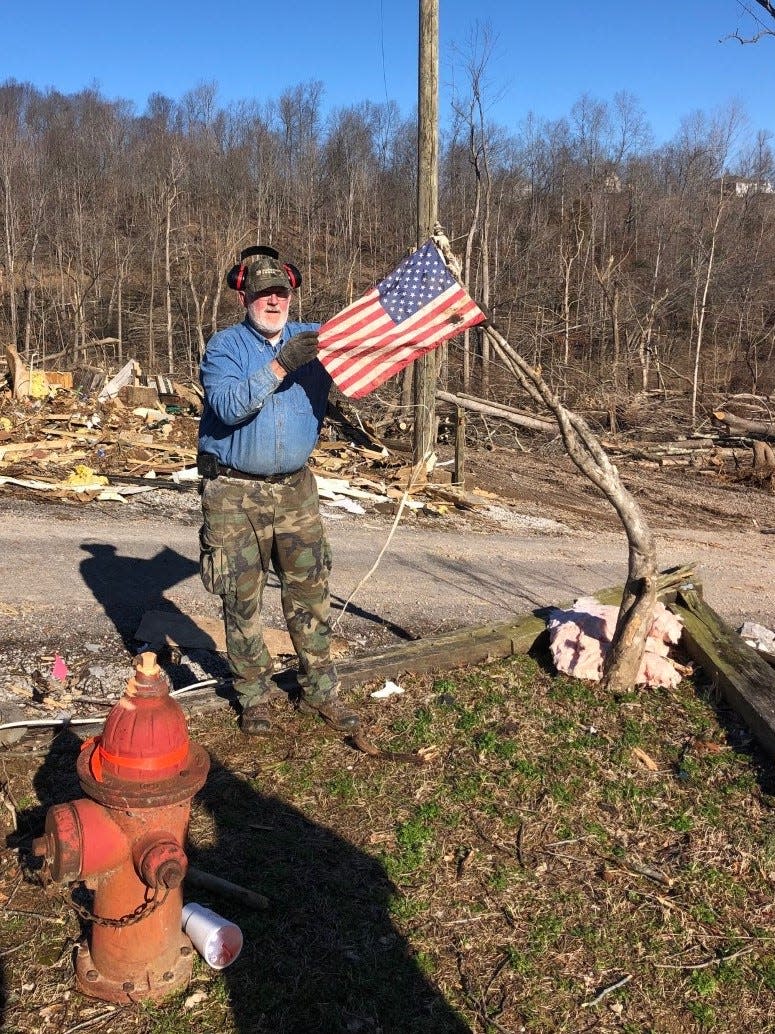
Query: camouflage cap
263	274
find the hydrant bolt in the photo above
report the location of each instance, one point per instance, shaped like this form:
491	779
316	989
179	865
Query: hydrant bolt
43	847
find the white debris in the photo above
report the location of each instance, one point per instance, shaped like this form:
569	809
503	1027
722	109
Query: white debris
390	689
125	376
758	636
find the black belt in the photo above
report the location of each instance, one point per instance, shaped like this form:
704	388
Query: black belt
242	475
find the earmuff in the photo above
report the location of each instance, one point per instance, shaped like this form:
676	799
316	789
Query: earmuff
294	274
236	275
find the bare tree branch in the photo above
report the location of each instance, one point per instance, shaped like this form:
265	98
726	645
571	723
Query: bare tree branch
637	608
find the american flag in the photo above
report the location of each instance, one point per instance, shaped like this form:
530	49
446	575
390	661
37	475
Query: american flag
412	311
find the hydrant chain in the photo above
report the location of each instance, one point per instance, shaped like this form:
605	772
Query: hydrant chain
147	908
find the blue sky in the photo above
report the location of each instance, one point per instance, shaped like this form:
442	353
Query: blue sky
669	54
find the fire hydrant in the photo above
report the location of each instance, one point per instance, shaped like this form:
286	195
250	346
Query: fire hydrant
125	841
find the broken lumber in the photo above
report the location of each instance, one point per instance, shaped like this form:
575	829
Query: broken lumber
139	395
532	423
741	673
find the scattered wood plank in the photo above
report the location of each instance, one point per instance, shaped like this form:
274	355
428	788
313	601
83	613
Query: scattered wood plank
146	441
456	496
511	416
743	675
8	452
60	379
139	395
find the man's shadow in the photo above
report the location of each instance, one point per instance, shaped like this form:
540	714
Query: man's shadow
325	956
127	586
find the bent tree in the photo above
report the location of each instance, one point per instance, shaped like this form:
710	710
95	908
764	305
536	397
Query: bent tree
624	658
582	445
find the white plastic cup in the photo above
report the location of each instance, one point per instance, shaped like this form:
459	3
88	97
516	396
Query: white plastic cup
217	940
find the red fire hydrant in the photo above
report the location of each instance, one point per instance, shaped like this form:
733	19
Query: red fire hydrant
125	841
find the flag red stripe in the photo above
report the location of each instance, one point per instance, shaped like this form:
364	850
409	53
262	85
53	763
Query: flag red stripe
339	324
371	337
366	334
379	367
423	342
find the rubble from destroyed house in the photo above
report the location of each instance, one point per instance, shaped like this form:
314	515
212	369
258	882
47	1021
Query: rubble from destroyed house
84	436
101	439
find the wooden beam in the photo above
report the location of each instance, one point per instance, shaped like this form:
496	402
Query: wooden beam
465	646
742	674
454	649
532	423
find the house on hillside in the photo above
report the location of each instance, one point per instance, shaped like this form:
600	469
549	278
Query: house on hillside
744	186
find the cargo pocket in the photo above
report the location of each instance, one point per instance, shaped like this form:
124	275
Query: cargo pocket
213	566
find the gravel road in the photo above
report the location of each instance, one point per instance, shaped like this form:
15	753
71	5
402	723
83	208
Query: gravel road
94	570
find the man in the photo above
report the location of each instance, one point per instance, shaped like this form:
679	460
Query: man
265	398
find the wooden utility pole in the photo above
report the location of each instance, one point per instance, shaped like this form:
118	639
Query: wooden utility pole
427	210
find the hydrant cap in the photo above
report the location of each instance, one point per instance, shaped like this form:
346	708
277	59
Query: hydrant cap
145	738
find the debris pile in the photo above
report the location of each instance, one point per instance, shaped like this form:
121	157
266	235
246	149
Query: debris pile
78	438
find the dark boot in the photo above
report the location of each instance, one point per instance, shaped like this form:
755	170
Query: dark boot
336	714
255	719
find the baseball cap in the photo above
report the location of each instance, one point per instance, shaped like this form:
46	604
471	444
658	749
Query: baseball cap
264	273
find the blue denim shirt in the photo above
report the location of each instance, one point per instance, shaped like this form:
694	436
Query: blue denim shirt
253	420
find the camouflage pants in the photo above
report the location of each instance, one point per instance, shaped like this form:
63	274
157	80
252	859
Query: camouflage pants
250	526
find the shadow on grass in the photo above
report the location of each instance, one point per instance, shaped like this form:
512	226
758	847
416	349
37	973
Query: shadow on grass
325	956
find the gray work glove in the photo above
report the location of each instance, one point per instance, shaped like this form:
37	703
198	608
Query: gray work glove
301	349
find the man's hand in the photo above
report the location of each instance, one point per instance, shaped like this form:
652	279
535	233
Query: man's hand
301	349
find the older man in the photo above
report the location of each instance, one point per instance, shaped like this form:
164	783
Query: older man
265	398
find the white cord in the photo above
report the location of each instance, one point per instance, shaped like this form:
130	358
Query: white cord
41	723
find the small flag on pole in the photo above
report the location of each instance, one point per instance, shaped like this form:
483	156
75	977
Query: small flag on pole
412	311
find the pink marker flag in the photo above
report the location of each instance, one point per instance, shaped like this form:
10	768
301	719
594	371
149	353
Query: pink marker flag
409	313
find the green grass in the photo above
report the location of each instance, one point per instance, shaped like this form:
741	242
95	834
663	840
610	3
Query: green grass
533	862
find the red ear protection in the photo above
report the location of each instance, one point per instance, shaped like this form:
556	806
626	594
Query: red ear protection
294	275
236	275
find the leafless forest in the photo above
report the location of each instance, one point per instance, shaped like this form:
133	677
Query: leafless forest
613	265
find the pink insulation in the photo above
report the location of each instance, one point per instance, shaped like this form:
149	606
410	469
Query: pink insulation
580	638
